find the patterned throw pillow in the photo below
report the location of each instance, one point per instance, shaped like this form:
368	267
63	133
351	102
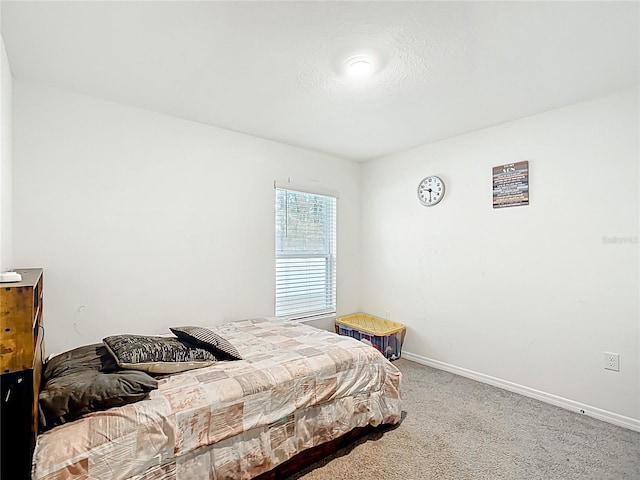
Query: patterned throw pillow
156	354
205	338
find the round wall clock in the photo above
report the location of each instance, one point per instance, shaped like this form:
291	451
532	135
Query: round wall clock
430	190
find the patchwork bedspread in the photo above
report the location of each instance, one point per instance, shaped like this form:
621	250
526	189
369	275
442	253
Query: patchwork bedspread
296	388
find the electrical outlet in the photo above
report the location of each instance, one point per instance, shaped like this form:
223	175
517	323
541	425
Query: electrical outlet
387	315
612	361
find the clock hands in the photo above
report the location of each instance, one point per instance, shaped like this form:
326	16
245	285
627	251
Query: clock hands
430	190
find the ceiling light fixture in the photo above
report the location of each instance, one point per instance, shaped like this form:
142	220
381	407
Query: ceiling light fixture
359	66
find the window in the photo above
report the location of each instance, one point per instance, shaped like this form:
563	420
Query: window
305	254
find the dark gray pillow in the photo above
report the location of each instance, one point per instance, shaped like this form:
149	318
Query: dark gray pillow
157	354
84	380
87	357
205	338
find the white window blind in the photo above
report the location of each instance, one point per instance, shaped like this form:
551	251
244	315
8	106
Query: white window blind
305	254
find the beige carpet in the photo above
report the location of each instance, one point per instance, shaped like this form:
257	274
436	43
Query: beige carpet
456	428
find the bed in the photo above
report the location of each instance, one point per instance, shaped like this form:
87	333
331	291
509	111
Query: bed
297	387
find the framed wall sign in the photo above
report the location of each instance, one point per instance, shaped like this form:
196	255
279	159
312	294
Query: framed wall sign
511	185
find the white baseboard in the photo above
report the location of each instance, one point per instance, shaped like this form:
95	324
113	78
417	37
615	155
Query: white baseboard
600	414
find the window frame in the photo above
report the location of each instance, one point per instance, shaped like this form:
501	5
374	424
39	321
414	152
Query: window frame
283	307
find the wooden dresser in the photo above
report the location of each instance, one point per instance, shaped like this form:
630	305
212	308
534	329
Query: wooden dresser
21	349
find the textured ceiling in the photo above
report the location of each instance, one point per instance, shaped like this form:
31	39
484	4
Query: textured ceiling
275	69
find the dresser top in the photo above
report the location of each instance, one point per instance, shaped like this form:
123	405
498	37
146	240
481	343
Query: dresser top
30	277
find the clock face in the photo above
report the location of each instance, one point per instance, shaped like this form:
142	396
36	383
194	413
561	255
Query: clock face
430	190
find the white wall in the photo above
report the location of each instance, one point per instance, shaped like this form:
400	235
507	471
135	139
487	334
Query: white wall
530	295
6	209
142	221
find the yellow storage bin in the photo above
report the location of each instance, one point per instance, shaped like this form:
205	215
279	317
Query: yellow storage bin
385	335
